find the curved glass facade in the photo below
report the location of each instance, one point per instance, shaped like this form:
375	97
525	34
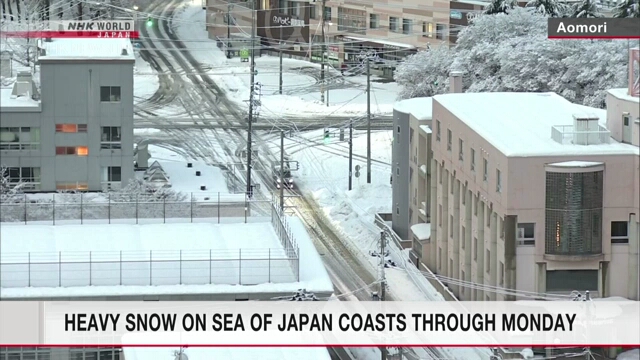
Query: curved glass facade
573	213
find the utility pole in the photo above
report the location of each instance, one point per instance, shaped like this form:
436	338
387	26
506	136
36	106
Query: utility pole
229	29
280	50
350	152
383	263
322	86
253	71
282	183
368	122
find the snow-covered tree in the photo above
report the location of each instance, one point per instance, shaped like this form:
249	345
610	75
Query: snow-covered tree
9	192
500	6
587	9
628	8
511	52
138	189
551	8
433	68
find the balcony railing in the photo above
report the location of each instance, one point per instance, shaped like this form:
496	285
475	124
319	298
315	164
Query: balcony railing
566	134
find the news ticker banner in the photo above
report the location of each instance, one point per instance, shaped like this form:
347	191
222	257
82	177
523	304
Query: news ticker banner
106	29
593	28
315	323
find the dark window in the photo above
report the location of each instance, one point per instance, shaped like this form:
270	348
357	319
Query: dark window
619	232
313	12
407	26
373	21
393	23
569	280
440	31
327	13
114	173
110	93
110	137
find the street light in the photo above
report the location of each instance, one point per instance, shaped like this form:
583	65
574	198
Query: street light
135	7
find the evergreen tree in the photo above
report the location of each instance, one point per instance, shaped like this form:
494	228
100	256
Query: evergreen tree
500	6
628	9
587	9
549	7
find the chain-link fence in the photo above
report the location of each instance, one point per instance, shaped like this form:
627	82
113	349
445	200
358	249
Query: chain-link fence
139	209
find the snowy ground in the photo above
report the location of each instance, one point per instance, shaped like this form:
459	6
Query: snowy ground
184	179
302	91
630	355
145	80
166	240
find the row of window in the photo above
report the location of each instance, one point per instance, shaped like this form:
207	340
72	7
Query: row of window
31	176
73	353
27	138
472	157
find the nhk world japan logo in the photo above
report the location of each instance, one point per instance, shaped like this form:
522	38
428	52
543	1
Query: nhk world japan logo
78	29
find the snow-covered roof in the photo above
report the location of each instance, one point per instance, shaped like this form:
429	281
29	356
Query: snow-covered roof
22	103
235	353
575	164
420	108
520	124
425	128
384	42
623	94
87	49
105	242
422	231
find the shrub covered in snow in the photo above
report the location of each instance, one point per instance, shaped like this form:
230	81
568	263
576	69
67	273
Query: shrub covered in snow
511	52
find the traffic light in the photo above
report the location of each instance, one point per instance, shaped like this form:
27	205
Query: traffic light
327	136
149	22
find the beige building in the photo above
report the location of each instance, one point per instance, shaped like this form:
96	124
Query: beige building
530	192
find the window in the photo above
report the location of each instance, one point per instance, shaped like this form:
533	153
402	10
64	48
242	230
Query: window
452	182
475	205
501	274
461	147
501	227
463	278
451	274
449	139
619	232
485	169
498	181
313	12
327	13
282	6
71	128
72	186
526	234
352	20
415	196
112	174
437	130
110	93
29	176
440	258
407	26
569	280
393	24
411	137
451	226
411	215
398	171
440	31
427	29
374	21
463	236
110	137
487	261
410	174
489	215
398	129
397	209
441	168
475	248
440	215
19	138
473	160
72	150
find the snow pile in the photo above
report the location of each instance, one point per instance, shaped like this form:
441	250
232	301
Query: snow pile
630	355
512	53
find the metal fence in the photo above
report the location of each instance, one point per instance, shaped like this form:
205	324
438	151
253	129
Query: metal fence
139	209
149	268
283	231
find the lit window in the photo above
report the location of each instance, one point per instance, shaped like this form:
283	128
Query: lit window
72	186
82	151
70	150
71	128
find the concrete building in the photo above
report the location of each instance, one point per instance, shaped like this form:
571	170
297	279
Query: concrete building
530	192
75	130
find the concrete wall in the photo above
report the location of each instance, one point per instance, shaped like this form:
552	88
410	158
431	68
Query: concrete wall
400	174
616	106
70	93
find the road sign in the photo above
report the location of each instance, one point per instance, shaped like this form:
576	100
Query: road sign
357	167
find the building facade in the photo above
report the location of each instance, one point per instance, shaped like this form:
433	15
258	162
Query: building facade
545	204
76	133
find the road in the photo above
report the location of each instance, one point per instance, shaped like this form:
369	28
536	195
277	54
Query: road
211	115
